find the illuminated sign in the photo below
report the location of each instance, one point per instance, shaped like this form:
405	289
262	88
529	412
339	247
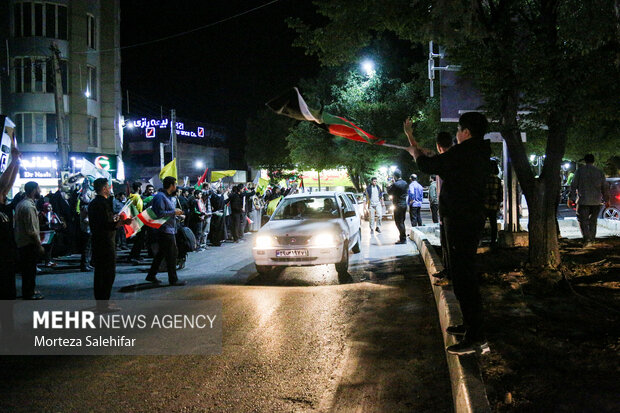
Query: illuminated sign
152	129
45	165
102	162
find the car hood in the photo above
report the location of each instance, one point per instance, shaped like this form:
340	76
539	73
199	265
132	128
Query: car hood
301	227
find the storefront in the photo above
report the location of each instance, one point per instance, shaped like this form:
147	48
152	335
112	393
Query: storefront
42	168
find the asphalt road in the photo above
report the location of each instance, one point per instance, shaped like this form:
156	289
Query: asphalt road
298	341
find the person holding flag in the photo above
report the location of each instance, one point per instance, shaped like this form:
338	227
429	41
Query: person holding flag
164	206
138	240
464	170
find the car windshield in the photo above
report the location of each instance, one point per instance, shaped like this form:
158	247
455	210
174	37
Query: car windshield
307	208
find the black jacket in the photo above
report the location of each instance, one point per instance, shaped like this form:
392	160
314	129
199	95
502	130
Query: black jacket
101	221
236	203
398	190
464	170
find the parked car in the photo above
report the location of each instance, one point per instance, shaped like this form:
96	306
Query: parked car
358	202
613	210
309	229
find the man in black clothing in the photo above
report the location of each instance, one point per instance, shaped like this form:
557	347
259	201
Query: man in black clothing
398	191
464	170
103	224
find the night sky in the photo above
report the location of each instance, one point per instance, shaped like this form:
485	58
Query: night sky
221	74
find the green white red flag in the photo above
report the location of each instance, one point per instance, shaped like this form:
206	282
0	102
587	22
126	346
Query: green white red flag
46	237
130	211
149	218
202	179
293	105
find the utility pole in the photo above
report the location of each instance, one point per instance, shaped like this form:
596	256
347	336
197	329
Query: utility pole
173	136
63	146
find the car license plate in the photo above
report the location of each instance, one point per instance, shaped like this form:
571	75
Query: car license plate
291	253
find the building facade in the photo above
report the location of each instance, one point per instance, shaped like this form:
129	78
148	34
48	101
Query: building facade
200	145
87	33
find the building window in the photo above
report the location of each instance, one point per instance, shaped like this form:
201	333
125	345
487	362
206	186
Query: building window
35	127
91	83
36	75
91	40
92	132
40	19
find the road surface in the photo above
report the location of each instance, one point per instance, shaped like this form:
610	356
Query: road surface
295	342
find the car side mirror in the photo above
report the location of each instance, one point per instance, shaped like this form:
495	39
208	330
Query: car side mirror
349	214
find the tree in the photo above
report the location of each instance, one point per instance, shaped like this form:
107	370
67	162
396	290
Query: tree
529	56
266	142
377	104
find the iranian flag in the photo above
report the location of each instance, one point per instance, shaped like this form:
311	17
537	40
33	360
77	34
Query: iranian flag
130	211
46	237
293	105
149	218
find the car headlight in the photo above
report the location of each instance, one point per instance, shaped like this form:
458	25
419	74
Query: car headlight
324	240
264	241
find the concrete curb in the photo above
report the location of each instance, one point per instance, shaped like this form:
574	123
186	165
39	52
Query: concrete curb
468	391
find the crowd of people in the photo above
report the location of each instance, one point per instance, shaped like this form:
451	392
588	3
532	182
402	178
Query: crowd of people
85	217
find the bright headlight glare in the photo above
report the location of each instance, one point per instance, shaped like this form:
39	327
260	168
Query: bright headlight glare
324	240
264	241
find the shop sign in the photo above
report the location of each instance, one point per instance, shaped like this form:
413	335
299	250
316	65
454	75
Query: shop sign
45	165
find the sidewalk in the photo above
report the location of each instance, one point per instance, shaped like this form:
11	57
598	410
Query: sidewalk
569	228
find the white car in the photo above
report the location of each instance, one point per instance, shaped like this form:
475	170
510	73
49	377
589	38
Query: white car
309	229
358	202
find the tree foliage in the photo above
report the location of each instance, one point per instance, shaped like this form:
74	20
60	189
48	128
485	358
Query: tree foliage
555	62
266	141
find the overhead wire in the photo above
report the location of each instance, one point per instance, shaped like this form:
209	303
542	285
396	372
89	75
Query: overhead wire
183	33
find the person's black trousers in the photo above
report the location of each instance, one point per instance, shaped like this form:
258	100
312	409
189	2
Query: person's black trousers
237	225
28	258
399	219
86	249
492	217
104	257
435	213
138	245
416	216
462	236
121	237
587	215
444	249
168	250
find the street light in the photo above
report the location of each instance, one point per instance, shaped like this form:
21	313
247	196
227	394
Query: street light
368	66
199	164
393	168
